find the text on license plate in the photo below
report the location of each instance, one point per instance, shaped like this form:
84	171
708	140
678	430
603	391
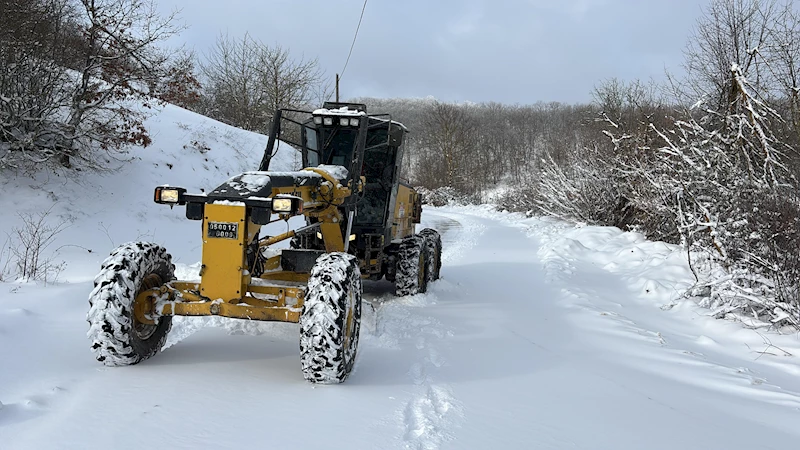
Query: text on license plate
225	230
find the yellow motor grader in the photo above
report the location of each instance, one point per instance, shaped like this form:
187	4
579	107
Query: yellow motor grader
360	223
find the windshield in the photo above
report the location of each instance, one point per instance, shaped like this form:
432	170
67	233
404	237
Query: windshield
338	145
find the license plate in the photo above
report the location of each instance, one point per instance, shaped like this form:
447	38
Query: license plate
224	230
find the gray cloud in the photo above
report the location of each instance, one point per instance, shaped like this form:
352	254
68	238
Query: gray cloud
519	51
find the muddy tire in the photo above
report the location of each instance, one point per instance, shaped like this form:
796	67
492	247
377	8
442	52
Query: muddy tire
330	321
433	242
412	257
118	338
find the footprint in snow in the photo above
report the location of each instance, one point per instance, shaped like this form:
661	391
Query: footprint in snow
417	373
435	358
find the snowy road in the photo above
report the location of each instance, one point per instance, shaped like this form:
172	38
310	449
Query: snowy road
537	336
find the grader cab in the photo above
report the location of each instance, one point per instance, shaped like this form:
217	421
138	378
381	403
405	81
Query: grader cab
360	223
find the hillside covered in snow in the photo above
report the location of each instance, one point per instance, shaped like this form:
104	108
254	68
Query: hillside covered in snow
98	211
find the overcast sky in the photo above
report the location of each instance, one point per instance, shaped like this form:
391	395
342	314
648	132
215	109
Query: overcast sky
509	51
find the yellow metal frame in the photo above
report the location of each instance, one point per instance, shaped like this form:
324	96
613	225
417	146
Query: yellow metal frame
226	287
266	300
406	212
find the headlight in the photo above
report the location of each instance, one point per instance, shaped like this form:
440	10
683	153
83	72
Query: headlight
353	122
318	120
169	195
282	205
344	121
328	121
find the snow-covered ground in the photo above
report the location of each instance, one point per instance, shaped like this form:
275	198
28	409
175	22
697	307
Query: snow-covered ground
100	211
539	335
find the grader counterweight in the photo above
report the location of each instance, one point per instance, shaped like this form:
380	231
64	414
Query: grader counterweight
360	224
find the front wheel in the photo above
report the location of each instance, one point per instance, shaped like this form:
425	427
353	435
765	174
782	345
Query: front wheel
118	337
330	321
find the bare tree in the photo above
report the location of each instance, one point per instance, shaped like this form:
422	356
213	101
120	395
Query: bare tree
288	83
180	86
783	55
246	81
121	61
231	82
626	102
76	77
446	140
30	242
33	86
730	32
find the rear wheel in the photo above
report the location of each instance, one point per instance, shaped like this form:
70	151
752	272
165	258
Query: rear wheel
331	319
410	277
118	337
433	242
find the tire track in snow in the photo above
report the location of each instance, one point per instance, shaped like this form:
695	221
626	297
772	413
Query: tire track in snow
431	412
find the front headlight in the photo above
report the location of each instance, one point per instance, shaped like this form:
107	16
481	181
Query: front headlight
169	195
282	205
